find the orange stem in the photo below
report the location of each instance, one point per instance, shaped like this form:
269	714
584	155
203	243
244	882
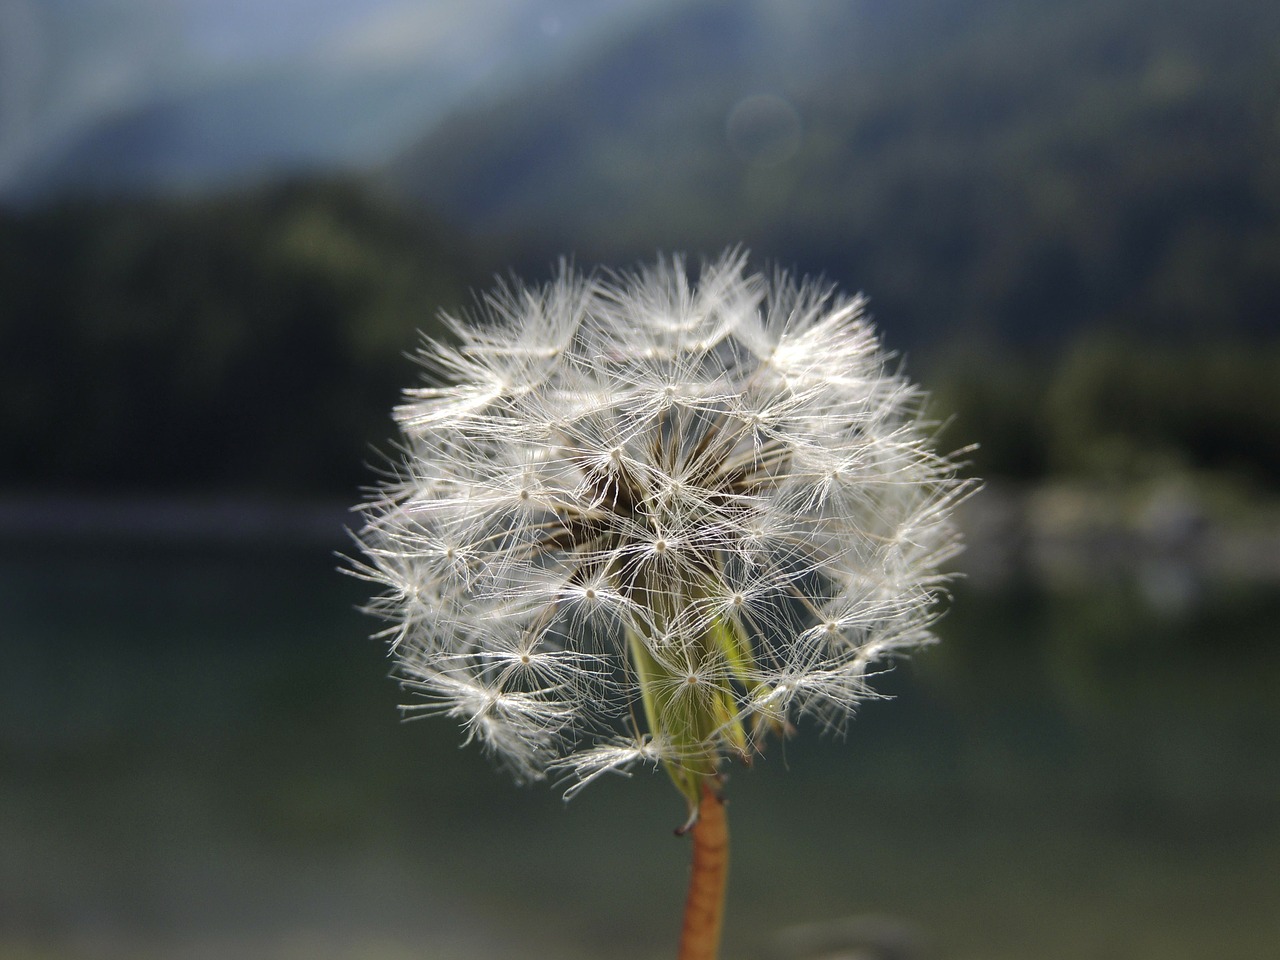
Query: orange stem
704	906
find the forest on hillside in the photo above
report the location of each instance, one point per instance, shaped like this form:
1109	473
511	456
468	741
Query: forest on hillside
250	342
255	342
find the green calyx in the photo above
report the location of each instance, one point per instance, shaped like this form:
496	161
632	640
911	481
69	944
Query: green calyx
691	701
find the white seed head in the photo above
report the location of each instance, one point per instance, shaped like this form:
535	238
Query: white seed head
650	520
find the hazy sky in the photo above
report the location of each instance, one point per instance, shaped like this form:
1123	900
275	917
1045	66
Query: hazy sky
65	64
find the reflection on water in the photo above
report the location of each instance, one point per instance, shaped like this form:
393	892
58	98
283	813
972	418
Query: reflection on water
199	758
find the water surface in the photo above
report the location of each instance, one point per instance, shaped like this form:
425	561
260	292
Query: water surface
200	757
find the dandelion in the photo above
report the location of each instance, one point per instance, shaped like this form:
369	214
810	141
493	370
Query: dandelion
652	522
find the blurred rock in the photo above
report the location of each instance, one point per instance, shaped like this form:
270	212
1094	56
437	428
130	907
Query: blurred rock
867	937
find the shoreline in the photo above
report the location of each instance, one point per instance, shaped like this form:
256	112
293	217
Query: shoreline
1049	533
177	519
1169	536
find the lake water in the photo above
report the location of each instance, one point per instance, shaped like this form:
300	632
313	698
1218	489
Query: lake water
200	757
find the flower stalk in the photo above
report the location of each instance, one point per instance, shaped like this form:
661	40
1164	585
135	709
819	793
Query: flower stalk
704	904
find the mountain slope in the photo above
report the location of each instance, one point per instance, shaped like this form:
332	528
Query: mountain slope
980	165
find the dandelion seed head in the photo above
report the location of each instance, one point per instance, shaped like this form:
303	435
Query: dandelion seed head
650	519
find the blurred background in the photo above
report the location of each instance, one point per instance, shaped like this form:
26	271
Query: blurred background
224	222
